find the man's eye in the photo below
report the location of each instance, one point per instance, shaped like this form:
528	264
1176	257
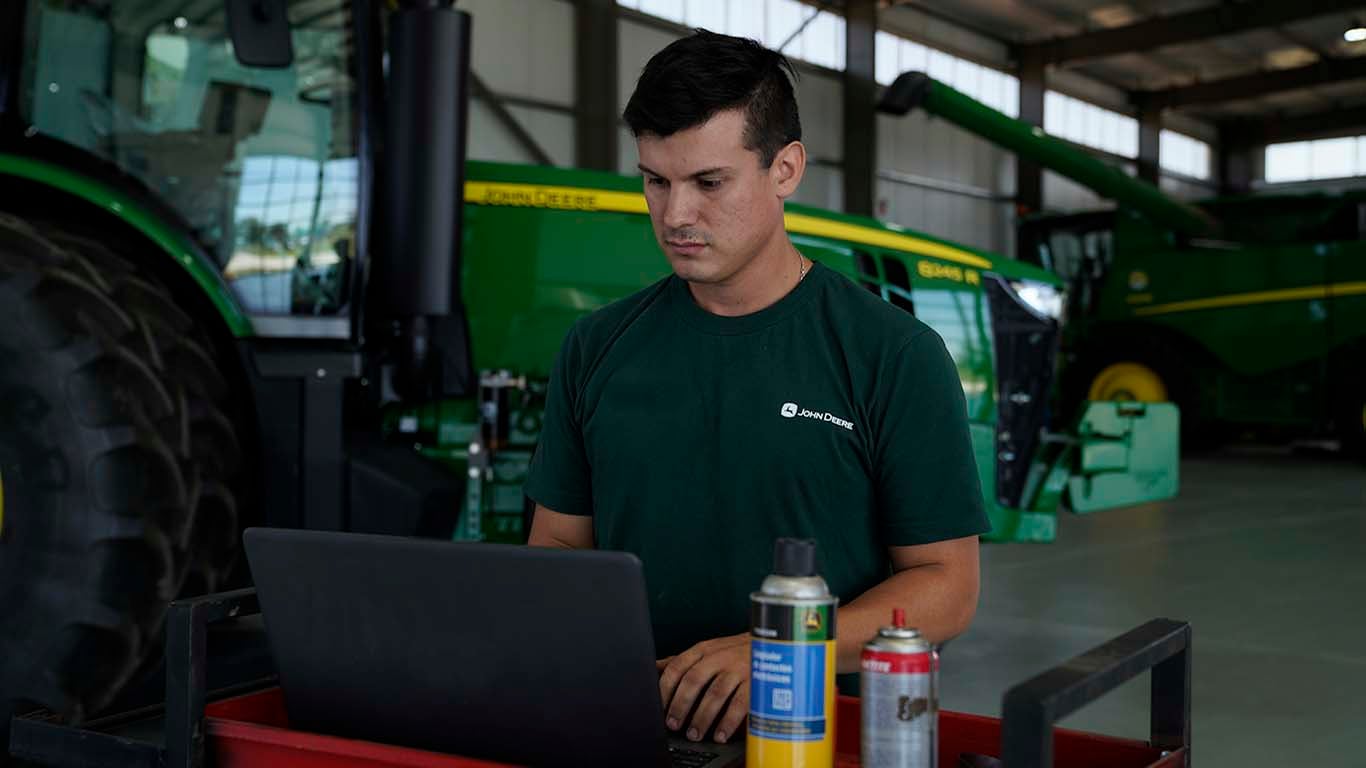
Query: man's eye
710	184
654	181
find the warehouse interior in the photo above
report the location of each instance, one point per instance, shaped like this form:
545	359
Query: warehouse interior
1261	549
1183	182
1205	77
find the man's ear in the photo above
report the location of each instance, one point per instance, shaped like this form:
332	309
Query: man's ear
788	167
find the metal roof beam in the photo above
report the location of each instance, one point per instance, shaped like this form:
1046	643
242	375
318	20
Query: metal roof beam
1225	18
1334	122
1256	84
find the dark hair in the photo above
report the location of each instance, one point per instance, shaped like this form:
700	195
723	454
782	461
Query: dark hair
694	78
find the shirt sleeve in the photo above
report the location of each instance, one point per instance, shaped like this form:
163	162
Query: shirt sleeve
928	486
559	477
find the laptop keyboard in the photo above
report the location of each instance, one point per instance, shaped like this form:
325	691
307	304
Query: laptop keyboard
682	757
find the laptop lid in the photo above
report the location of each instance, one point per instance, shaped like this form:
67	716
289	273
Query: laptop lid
524	655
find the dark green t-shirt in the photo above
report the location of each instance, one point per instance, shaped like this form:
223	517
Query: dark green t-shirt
695	440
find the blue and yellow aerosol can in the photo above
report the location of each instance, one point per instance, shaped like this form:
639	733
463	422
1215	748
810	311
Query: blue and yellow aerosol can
792	664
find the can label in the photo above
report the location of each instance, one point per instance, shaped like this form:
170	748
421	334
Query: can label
792	685
884	663
787	691
898	710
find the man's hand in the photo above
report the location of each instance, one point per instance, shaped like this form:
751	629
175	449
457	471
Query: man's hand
719	666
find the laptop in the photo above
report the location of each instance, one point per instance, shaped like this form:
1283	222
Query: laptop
514	654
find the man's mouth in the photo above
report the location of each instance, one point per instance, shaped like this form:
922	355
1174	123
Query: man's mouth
685	246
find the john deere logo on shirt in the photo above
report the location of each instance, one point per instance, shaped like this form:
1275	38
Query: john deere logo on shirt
792	410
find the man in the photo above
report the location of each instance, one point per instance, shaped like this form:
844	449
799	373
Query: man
753	394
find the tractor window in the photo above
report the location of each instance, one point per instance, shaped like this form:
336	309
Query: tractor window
259	163
1073	254
1061	253
1081	257
868	275
899	283
167	59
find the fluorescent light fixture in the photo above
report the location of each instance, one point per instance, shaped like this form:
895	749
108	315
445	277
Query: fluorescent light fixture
1355	34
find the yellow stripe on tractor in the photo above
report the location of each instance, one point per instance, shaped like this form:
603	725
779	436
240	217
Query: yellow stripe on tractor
587	199
853	233
1303	293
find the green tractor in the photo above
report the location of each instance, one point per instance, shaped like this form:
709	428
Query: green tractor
247	277
1248	312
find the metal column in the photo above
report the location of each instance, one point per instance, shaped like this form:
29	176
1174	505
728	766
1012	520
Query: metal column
1029	175
860	102
1235	162
1149	140
595	84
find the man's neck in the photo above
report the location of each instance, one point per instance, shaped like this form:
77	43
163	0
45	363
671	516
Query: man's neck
762	282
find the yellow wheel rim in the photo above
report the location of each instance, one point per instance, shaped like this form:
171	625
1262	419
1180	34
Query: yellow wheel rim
1129	381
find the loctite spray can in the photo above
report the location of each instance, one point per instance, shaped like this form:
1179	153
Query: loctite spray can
792	664
899	694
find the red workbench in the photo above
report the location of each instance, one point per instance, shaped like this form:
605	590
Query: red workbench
195	728
253	731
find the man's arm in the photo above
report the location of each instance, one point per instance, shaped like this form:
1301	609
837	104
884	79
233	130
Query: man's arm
936	584
553	529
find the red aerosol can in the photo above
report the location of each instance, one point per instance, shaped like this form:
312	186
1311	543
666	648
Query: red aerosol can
899	683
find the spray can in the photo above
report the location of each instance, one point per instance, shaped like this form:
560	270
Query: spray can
899	695
792	664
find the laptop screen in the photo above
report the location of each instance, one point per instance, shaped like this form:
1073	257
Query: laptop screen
523	655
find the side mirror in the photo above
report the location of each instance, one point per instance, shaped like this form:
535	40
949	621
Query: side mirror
259	30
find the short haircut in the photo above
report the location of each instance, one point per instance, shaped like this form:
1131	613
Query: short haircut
692	79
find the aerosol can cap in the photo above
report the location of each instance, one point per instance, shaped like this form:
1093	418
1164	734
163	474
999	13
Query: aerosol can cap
794	558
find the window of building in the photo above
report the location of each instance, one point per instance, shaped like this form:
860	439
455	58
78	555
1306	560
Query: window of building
1089	125
1319	159
810	34
1182	154
894	55
800	30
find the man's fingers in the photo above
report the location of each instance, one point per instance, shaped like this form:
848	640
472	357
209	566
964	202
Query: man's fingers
718	693
720	668
735	715
660	664
687	691
674	669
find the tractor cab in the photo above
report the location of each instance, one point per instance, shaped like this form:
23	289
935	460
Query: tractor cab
1077	248
260	162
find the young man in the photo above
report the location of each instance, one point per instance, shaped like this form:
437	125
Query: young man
751	395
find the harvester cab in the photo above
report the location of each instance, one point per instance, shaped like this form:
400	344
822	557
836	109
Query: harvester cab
1249	312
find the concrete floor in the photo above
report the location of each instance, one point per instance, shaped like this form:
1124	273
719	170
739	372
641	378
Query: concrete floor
1264	552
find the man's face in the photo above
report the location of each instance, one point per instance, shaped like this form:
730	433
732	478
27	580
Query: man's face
713	206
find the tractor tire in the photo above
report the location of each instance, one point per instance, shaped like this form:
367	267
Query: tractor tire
1147	373
116	464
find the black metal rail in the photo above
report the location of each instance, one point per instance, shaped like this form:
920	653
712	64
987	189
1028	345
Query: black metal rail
1030	709
187	669
43	739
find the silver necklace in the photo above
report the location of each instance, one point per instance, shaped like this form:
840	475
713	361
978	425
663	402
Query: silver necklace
801	262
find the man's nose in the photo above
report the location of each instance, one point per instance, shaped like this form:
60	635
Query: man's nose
680	209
